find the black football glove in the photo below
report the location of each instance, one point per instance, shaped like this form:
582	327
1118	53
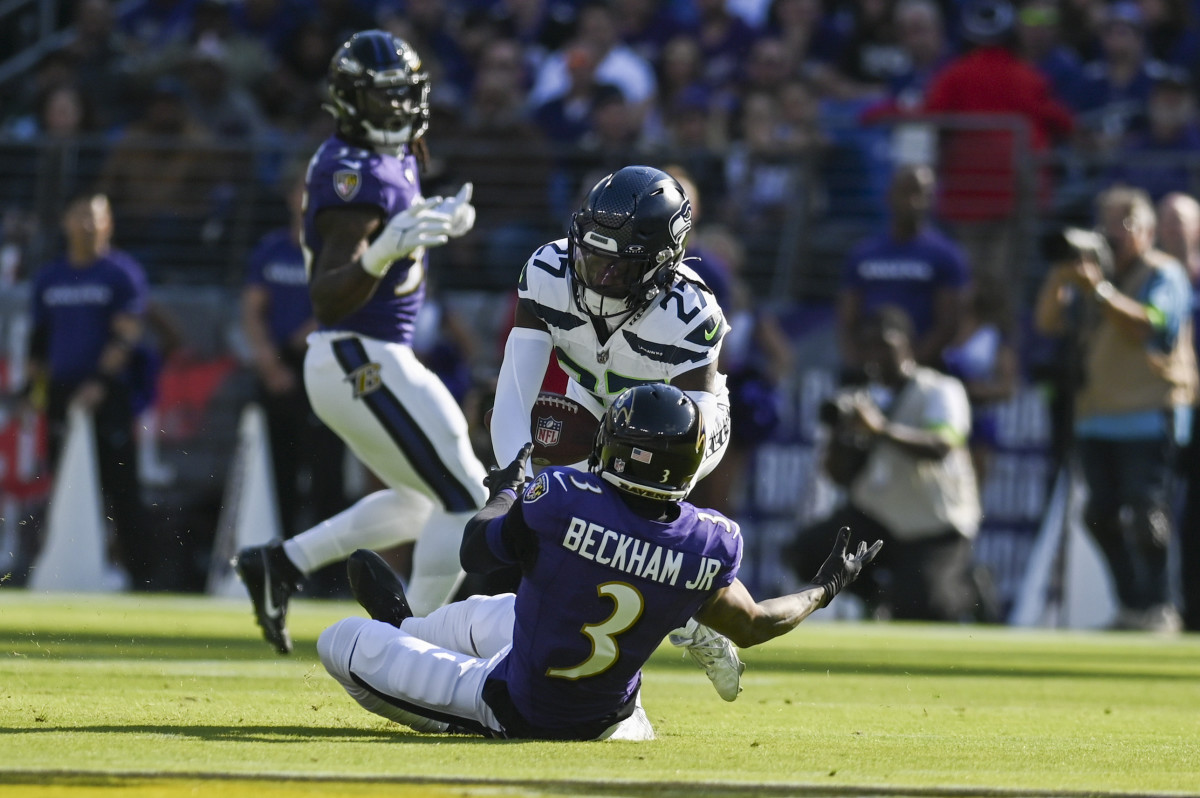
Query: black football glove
511	477
840	568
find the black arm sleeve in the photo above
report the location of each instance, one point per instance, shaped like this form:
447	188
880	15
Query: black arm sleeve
477	557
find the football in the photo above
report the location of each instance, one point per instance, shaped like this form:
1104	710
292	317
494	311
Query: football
562	430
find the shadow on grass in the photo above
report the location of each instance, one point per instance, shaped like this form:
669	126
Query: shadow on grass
168	646
256	734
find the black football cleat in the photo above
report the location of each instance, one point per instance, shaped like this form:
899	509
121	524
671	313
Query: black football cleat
271	579
377	588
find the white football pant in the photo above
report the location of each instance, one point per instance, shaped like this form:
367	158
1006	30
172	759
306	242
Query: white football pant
402	423
429	674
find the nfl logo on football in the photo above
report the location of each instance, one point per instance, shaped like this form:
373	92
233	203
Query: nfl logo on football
549	430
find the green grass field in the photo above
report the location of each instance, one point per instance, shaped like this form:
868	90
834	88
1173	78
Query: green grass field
173	696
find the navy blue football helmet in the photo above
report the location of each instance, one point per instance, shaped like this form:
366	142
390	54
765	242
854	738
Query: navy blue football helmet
379	93
650	443
627	240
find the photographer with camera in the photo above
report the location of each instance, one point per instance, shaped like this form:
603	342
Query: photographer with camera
1130	306
899	448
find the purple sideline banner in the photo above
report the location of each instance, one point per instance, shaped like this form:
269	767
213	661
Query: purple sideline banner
785	490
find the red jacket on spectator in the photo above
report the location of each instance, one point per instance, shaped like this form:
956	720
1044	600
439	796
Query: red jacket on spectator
977	177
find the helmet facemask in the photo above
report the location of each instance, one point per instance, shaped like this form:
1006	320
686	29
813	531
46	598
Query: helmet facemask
394	115
608	285
379	94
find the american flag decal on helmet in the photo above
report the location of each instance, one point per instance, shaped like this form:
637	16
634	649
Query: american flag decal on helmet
641	455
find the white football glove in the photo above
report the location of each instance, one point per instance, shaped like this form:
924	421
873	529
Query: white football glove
418	225
460	210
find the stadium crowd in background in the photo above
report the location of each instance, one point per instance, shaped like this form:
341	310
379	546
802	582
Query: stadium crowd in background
191	110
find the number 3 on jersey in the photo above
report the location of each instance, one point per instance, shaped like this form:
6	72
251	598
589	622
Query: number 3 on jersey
628	605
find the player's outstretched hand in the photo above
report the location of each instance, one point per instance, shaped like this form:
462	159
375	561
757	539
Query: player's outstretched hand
418	225
840	568
512	476
460	210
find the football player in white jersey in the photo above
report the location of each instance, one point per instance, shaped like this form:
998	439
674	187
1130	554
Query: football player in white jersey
616	304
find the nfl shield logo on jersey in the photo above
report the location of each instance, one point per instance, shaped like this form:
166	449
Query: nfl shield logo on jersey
346	183
549	430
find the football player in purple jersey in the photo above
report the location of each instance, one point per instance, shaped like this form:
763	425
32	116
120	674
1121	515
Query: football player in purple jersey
366	229
611	562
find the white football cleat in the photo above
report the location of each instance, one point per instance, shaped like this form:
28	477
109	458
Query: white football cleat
716	654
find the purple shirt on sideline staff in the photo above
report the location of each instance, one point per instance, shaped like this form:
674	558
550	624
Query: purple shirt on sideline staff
277	264
906	273
78	306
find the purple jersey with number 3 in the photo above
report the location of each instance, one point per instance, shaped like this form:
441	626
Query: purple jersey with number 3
342	175
606	588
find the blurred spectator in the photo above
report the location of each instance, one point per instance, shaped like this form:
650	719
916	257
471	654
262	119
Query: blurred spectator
980	172
567	118
1039	43
983	357
277	317
342	18
99	51
615	133
1179	232
813	41
914	488
768	65
291	95
272	22
1164	157
1134	406
681	89
693	138
725	40
494	144
212	30
1171	31
872	56
767	177
645	26
616	63
150	25
1179	237
1112	96
87	309
165	181
921	36
426	25
911	266
800	117
55	68
218	103
539	26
